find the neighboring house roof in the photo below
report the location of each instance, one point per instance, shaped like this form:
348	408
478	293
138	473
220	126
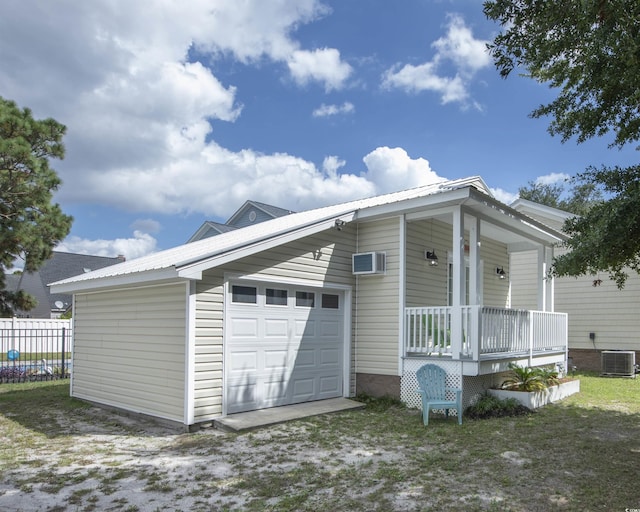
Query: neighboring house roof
210	228
267	209
249	213
552	217
61	265
190	260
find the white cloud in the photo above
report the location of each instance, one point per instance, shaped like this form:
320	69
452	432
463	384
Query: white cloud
146	225
322	65
138	113
392	169
332	110
458	46
331	165
140	245
552	178
504	196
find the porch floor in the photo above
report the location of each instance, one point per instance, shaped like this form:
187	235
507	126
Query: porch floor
263	417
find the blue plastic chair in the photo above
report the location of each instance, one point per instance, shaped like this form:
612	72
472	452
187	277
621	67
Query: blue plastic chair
432	388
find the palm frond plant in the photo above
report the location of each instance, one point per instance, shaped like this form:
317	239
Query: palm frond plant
524	378
549	376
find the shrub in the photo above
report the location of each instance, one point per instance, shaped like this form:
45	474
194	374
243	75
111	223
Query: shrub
488	406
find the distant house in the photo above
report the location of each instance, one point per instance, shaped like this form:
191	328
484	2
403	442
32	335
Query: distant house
251	212
61	265
601	317
319	304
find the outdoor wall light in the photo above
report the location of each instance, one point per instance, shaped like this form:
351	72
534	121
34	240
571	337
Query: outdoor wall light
431	257
501	273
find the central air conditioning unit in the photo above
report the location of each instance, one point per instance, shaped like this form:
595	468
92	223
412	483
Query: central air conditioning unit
618	363
367	263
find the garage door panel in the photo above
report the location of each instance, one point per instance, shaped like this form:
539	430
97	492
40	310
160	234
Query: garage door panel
305	359
276	328
330	357
275	359
282	355
243	361
305	328
275	390
242	396
303	389
329	329
244	328
330	385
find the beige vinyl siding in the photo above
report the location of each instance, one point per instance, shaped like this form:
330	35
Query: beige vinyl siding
427	285
524	282
610	313
324	257
376	302
493	255
129	349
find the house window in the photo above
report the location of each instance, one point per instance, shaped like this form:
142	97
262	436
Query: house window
276	297
330	301
244	294
305	299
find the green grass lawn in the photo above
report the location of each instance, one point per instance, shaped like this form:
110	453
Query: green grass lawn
578	455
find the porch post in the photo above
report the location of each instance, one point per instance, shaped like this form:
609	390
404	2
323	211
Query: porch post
541	278
473	335
474	261
545	285
458	282
549	281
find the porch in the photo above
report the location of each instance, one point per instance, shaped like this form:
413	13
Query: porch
484	339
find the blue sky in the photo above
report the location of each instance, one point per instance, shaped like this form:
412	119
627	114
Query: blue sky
177	112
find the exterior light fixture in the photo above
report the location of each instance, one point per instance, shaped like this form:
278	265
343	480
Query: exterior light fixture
501	273
431	257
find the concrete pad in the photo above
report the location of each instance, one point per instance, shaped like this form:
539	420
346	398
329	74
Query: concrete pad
255	419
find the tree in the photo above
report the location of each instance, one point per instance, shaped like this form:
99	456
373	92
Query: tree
590	51
579	200
30	224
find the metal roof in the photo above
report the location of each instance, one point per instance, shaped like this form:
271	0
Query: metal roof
188	260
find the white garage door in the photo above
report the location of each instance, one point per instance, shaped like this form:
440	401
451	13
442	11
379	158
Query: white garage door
284	345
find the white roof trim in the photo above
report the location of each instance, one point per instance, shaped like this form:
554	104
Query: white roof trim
189	260
524	205
194	270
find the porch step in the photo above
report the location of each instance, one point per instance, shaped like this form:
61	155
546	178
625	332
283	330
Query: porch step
243	421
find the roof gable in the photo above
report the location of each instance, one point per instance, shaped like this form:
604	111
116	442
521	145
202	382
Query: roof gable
253	212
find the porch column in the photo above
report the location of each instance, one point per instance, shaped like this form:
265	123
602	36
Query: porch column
458	282
549	281
545	283
541	278
474	261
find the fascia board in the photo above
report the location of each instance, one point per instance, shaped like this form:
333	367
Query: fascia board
165	274
194	270
522	205
545	234
409	206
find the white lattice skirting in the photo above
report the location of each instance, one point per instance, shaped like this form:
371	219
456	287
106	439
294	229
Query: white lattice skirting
472	387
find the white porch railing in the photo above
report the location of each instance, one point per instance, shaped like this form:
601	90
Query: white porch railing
485	332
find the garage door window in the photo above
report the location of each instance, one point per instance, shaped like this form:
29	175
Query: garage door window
244	294
330	301
276	297
305	299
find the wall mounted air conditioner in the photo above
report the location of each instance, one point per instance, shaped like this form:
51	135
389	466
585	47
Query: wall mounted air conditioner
366	263
618	363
